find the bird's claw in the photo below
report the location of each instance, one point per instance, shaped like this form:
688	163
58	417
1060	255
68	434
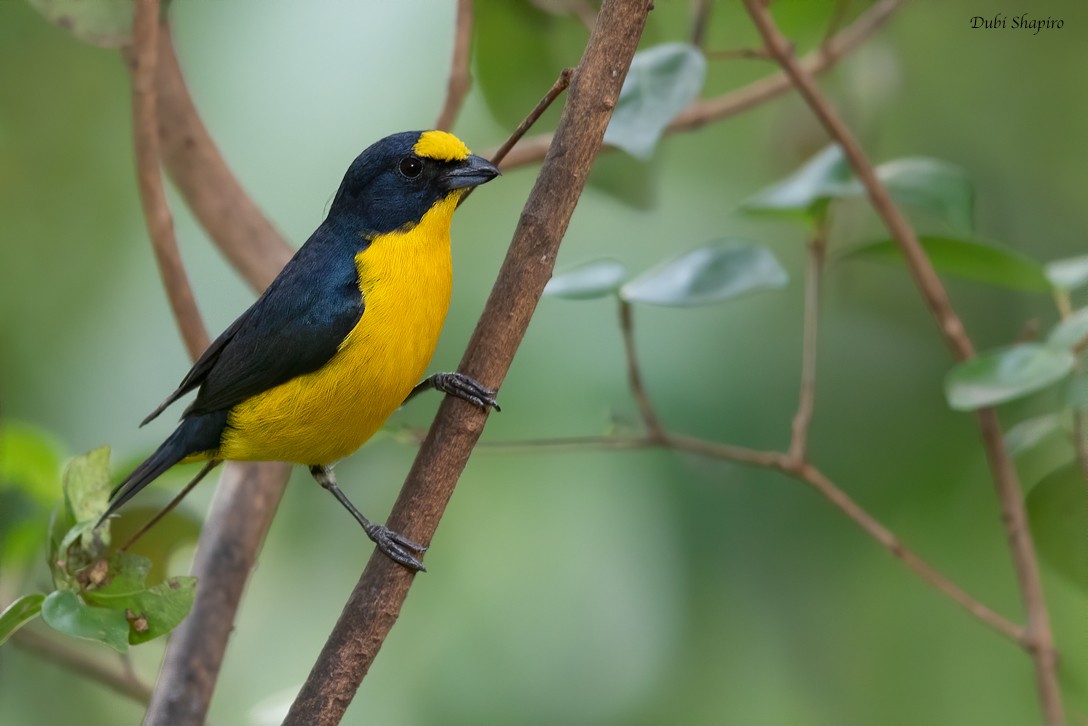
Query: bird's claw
467	389
397	547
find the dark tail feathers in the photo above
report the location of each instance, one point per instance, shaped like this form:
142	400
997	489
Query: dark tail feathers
194	435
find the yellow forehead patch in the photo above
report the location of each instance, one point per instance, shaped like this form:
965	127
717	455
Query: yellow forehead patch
441	146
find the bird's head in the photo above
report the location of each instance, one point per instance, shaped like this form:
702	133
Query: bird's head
398	179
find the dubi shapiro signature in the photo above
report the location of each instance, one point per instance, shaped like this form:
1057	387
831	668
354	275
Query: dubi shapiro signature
1023	21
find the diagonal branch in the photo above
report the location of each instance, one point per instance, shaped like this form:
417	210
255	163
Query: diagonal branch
378	597
143	60
1039	637
60	652
709	110
248	493
460	79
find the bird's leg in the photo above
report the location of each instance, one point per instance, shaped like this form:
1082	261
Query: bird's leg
459	385
395	546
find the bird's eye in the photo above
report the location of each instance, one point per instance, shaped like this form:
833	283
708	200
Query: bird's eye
411	167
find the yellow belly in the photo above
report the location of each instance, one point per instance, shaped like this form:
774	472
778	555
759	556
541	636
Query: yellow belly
321	417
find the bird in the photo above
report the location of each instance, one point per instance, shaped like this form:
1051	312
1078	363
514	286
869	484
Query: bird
342	336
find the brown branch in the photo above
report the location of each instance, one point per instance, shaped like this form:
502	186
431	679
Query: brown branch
120	680
795	469
704	111
248	493
378	597
738	53
700	21
160	225
817	249
240	515
460	79
1038	632
634	375
237	227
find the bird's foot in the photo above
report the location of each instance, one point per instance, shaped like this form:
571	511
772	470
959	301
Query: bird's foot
396	546
465	388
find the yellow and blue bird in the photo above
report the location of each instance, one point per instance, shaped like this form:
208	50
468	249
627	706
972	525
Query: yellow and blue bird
342	336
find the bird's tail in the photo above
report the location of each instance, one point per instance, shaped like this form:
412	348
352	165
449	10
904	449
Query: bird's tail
194	435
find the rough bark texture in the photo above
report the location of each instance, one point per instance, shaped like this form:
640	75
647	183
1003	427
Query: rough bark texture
377	599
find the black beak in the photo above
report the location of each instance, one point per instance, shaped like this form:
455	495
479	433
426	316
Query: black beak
471	172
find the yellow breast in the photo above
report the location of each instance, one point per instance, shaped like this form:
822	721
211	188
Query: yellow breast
405	278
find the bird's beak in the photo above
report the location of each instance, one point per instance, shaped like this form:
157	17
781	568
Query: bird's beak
471	172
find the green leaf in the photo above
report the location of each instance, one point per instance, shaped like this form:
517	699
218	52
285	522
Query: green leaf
66	613
19	613
965	259
718	271
1005	374
662	81
104	23
1031	432
587	281
1058	514
151	611
126	573
87	484
802	193
1071	332
1068	274
942	189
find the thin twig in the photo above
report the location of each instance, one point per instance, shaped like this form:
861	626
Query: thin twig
817	249
795	469
170	507
702	112
1038	633
460	79
59	652
634	375
741	53
377	599
561	82
160	225
700	21
499	154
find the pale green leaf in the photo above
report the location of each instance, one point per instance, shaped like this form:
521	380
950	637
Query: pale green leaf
661	82
19	613
800	194
1068	274
718	271
587	281
1004	374
1071	332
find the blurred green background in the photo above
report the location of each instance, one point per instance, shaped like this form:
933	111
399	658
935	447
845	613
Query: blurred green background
592	587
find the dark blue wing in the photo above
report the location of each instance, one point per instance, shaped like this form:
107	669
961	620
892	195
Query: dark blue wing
294	328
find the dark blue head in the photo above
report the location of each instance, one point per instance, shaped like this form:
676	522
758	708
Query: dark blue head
395	181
